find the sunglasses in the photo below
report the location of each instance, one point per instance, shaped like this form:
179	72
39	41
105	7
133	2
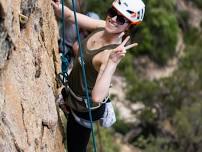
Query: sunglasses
119	18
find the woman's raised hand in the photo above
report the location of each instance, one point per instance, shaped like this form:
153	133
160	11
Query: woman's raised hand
119	52
57	7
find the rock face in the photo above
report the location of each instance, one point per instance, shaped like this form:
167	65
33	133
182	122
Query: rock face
29	62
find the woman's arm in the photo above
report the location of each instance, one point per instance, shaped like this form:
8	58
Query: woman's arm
84	21
103	81
107	69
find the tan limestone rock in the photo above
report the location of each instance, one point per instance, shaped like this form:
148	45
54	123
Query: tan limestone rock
29	62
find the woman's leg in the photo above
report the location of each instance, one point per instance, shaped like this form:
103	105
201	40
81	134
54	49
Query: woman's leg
77	136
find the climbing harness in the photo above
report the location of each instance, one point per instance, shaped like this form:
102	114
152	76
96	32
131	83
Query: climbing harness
108	119
83	122
83	100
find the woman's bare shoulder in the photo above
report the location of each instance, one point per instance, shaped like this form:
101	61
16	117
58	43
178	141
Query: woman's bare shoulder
101	59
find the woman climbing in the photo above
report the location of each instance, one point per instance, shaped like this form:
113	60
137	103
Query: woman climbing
103	50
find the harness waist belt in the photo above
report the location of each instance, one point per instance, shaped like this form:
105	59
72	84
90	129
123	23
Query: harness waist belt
84	101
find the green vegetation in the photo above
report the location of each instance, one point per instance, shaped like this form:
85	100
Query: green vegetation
99	7
198	3
120	126
105	141
158	34
179	98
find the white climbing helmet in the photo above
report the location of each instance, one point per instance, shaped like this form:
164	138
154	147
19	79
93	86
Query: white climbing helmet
133	10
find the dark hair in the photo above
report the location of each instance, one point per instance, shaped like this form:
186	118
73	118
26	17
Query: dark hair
132	30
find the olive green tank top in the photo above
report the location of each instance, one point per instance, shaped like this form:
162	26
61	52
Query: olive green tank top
75	79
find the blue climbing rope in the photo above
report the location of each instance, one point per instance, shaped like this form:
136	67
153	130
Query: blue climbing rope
84	73
84	81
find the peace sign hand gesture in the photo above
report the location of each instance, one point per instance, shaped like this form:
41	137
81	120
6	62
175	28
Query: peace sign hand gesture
119	52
